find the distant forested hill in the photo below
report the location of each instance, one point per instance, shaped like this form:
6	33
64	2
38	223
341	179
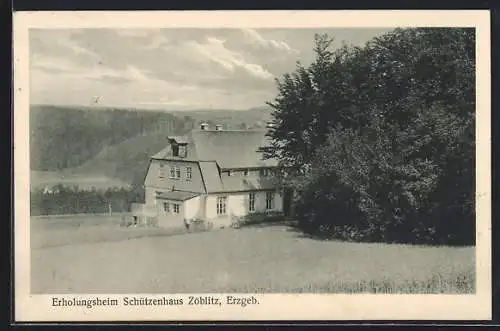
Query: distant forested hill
84	143
68	137
231	119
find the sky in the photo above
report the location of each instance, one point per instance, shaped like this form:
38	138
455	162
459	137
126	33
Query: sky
171	69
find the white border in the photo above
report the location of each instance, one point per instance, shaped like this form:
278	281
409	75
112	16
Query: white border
273	306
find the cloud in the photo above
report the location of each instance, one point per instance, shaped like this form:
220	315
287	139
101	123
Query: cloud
60	44
254	38
187	68
151	38
215	50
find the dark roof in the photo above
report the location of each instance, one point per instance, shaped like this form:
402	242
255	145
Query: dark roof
178	139
215	184
177	195
211	176
238	184
229	148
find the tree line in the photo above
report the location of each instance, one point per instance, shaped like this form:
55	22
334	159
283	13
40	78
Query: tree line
62	200
378	141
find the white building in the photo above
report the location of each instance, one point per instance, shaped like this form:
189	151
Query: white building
217	176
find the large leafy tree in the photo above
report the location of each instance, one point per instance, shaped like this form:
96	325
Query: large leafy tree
380	138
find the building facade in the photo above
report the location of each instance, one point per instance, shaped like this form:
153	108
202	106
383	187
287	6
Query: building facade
217	176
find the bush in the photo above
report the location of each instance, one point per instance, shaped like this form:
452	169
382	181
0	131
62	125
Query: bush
364	187
256	218
198	225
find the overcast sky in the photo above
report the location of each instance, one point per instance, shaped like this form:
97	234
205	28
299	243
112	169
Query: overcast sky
170	68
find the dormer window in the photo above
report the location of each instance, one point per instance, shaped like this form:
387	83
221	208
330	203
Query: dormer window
175	150
179	150
178	146
182	151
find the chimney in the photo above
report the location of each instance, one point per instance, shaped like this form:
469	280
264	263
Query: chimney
218	127
204	126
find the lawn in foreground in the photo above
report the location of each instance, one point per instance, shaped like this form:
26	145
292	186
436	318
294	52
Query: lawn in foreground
266	259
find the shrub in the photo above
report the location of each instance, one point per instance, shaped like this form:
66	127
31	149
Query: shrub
256	218
198	225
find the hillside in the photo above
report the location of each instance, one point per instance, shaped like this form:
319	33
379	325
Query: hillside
126	161
66	137
97	147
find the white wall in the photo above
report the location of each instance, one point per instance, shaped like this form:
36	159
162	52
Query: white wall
278	201
169	219
193	208
238	203
260	202
149	195
211	206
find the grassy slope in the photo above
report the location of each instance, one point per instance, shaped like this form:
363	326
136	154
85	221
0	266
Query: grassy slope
118	165
267	259
127	161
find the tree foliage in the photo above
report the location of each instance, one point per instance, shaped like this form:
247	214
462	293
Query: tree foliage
61	200
378	141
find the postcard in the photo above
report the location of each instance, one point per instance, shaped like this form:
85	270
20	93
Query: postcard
252	165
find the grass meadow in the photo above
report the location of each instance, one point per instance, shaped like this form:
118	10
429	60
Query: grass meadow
93	254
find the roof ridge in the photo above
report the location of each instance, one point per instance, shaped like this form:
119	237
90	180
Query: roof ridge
229	130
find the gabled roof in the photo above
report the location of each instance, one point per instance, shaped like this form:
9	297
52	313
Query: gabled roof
240	184
178	139
153	180
214	183
229	148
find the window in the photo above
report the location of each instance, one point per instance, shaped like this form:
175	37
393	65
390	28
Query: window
161	171
265	172
251	202
182	151
269	200
155	197
176	208
189	173
175	150
175	172
166	207
221	205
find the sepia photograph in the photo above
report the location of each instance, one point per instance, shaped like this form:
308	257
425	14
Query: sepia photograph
208	166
